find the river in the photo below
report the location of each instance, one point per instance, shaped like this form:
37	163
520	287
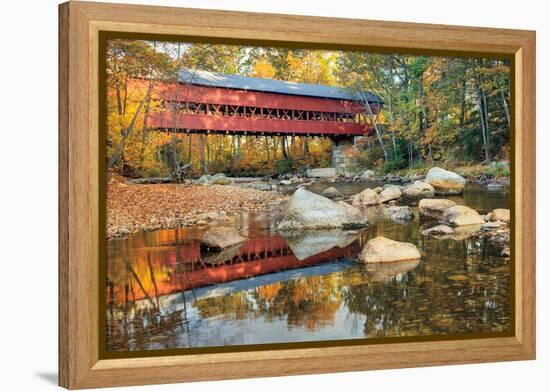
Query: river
163	293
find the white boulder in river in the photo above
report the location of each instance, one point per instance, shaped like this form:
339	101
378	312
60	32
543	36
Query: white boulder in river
367	197
445	182
389	193
434	207
307	210
418	190
381	249
461	215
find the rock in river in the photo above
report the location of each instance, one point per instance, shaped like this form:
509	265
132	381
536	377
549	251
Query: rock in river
400	214
218	238
458	233
367	197
307	210
500	215
418	190
440	229
389	193
381	249
461	215
445	182
332	193
433	208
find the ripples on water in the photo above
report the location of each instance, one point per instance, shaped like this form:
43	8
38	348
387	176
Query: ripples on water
163	293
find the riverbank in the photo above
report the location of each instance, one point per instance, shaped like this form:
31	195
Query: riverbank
496	173
133	208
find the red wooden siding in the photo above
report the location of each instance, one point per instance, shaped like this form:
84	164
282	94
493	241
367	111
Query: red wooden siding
225	96
299	115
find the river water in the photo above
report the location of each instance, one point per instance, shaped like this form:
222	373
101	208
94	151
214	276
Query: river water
163	293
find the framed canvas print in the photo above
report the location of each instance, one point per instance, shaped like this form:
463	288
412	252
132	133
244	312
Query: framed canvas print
247	195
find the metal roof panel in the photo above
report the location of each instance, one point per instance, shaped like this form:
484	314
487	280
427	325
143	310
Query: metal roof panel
214	79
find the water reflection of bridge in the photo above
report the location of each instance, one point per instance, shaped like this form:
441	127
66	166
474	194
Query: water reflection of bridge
182	266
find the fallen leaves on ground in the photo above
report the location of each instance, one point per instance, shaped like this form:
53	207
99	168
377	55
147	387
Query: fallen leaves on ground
135	208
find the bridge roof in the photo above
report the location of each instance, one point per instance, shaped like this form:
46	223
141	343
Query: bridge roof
213	79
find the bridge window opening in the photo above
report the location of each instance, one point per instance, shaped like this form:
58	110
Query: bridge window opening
197	108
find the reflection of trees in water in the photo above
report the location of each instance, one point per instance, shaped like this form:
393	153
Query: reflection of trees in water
237	306
457	287
310	302
137	327
445	295
145	329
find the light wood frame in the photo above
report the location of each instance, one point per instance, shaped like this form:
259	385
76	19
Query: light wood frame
80	24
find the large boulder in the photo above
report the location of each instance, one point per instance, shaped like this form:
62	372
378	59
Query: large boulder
461	215
500	215
307	210
418	190
367	197
381	249
433	208
445	182
219	238
389	193
332	193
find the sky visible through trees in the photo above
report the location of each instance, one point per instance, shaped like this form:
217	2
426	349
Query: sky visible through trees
446	111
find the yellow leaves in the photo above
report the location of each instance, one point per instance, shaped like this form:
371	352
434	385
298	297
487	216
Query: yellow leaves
263	69
430	135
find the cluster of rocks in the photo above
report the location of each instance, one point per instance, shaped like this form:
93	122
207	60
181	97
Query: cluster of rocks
306	211
309	211
459	222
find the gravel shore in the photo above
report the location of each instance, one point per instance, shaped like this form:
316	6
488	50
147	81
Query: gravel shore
135	208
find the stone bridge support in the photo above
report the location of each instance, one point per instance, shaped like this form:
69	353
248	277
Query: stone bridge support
344	154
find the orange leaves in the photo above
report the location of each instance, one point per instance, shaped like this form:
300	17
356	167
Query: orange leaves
135	208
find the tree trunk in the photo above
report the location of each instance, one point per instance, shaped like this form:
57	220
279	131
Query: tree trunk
505	104
463	104
126	132
377	130
306	151
266	142
144	133
483	130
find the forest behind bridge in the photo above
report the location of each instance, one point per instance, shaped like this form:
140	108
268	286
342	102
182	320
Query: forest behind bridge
445	111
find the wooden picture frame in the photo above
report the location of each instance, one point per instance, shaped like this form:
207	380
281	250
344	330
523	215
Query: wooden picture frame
80	26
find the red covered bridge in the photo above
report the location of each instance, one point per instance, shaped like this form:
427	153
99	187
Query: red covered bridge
232	104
